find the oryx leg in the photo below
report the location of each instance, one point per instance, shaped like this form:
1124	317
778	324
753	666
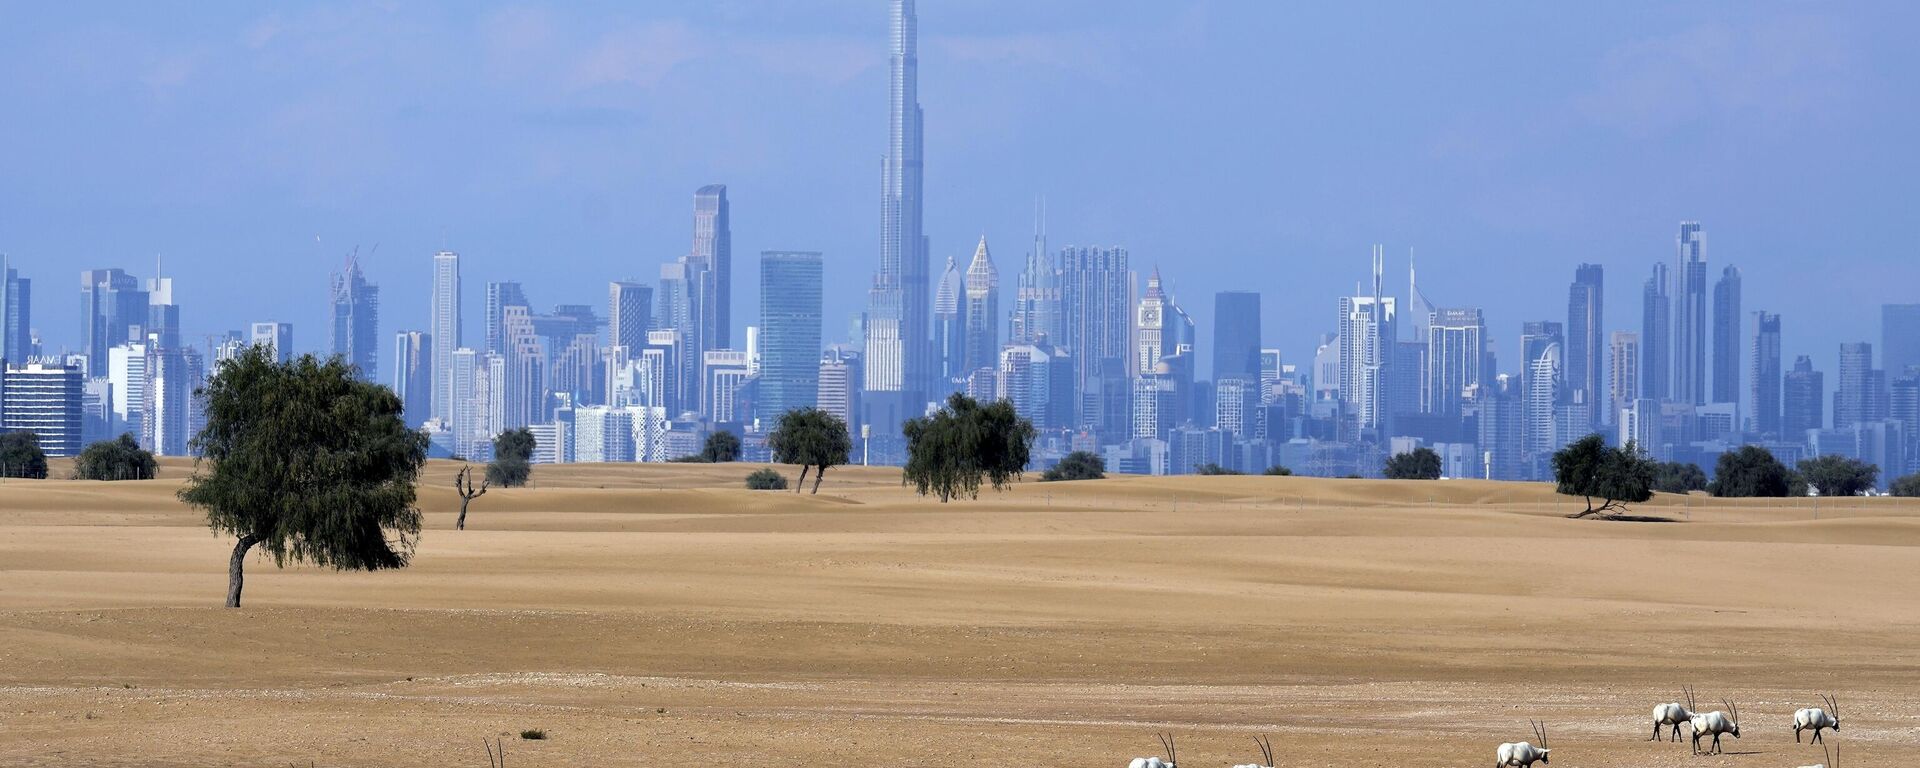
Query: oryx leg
1816	737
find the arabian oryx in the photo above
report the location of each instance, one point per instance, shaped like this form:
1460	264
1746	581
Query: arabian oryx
1266	754
1817	719
1166	741
1673	714
1523	754
1714	724
1833	758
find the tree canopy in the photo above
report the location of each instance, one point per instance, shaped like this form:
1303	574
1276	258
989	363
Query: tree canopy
1079	465
1906	486
307	461
1278	470
1834	475
1750	471
1418	464
1616	476
20	456
721	446
512	461
1678	477
118	459
951	452
1212	468
811	438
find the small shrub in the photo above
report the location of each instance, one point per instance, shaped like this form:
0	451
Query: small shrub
1211	468
533	734
1079	465
1278	471
766	479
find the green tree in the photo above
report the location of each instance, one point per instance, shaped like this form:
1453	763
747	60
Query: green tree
118	459
1616	476
1278	470
512	458
1751	472
1678	477
307	461
1907	486
951	452
721	447
20	456
1079	465
766	479
811	438
1418	464
1211	468
1834	475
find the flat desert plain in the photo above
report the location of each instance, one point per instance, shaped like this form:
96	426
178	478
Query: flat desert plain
662	615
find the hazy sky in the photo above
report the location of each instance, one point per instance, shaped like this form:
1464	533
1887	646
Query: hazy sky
1240	145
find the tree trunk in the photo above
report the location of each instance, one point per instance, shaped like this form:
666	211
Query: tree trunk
816	479
803	478
235	578
460	523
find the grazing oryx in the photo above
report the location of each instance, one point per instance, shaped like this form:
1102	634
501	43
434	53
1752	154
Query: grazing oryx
1673	714
1154	762
1714	724
1833	759
1523	754
1266	754
1817	719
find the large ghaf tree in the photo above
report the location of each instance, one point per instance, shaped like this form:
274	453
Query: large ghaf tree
811	438
307	462
951	452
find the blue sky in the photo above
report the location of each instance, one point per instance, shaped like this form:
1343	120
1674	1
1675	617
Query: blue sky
1237	145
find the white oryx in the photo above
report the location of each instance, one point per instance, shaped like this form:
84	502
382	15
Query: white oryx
1523	754
1673	714
1714	724
1833	759
1266	754
1166	741
1818	719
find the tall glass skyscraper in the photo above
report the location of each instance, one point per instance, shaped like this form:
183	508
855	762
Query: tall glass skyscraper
16	315
1726	336
1802	400
790	291
1766	374
982	312
444	332
897	368
1656	336
1690	317
713	254
115	312
1584	325
356	319
1899	338
1236	335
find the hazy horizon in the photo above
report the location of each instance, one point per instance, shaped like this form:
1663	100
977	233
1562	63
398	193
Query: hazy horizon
1235	145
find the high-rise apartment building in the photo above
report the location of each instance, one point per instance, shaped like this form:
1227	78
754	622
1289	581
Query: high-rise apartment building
981	312
1623	373
1367	334
1236	335
1036	305
839	392
629	314
1690	316
276	337
1543	382
1803	400
444	331
790	332
413	375
114	310
1038	380
16	315
1456	359
356	319
1855	392
500	296
1899	338
897	368
713	254
46	401
1096	306
1656	336
1727	322
1765	397
1584	358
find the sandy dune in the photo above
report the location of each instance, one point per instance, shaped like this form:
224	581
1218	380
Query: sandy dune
661	615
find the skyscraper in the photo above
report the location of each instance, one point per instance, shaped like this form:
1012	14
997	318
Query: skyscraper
1656	336
276	337
1367	334
790	296
1803	396
950	326
1899	338
413	375
982	312
356	318
1690	317
114	310
16	315
444	331
1726	336
1624	374
713	254
1853	393
897	370
629	314
1236	335
46	401
839	392
1096	309
1543	382
1036	304
1150	328
1456	359
1584	324
1766	374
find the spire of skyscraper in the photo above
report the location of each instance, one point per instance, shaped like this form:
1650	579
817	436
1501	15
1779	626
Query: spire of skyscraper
897	365
982	311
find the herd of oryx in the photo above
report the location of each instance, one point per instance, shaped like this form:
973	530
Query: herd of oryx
1523	754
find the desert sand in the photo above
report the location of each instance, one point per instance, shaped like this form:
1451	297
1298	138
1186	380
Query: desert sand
661	615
